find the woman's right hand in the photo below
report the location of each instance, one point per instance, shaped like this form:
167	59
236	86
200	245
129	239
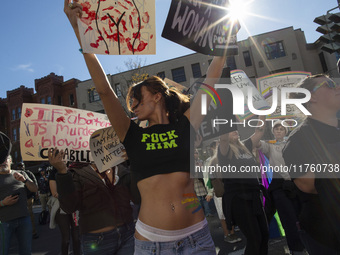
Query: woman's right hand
73	13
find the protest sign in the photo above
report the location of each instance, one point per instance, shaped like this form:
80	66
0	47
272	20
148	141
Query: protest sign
202	26
106	149
280	80
118	27
240	79
46	126
223	111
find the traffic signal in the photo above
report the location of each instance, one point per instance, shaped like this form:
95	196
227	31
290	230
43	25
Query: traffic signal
330	28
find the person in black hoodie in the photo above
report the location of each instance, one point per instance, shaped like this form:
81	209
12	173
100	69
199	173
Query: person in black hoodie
242	199
103	201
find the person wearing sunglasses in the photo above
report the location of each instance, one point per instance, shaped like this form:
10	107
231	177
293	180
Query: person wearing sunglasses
313	150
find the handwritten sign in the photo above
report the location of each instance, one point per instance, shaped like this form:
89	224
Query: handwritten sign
280	80
118	27
202	26
106	149
46	126
241	80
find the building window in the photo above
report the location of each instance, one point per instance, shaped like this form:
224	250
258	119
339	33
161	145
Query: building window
247	59
231	63
323	62
71	99
42	100
287	69
274	50
196	70
19	112
178	74
49	100
93	95
13	114
118	90
60	100
261	64
161	75
15	137
294	56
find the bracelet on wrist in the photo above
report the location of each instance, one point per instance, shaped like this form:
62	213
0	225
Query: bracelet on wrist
25	181
81	50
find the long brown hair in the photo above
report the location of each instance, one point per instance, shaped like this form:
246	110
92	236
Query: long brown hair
176	103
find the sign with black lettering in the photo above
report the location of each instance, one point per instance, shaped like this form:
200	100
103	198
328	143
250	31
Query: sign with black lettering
106	149
202	26
220	108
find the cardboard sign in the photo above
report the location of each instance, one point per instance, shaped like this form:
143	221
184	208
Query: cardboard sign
106	149
216	111
201	26
279	80
118	27
241	80
46	126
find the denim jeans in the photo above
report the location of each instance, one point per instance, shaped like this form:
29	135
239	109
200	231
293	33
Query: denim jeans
199	242
119	241
22	228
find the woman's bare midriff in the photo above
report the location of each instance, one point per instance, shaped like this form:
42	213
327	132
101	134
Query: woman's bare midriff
168	202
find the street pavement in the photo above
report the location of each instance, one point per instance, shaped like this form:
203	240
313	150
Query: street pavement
49	240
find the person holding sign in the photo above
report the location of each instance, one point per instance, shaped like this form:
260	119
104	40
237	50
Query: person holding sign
102	199
242	201
170	217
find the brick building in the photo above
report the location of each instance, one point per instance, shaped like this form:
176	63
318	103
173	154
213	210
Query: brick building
50	89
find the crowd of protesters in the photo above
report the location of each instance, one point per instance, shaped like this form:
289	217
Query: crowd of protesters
94	208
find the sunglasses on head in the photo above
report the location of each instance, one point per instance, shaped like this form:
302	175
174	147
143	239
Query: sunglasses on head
330	84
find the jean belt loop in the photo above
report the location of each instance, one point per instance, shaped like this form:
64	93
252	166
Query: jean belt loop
191	240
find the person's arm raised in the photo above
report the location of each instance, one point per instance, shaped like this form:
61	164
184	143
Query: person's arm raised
259	132
213	75
113	108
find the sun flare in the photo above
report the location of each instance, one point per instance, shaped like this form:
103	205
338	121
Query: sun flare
238	9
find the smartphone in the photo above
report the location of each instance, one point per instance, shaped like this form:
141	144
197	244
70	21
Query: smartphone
15	194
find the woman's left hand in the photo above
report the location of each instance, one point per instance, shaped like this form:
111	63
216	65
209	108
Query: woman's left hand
55	157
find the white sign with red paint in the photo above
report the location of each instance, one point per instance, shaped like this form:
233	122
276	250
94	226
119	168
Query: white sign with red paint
118	27
46	126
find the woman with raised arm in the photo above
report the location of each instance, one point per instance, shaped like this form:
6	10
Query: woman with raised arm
242	201
170	219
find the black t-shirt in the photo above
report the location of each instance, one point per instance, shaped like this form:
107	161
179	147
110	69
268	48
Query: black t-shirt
312	144
240	181
159	149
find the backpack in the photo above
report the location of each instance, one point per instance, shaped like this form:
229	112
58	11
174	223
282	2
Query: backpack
43	217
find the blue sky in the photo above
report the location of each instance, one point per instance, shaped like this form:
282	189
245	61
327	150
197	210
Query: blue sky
37	38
